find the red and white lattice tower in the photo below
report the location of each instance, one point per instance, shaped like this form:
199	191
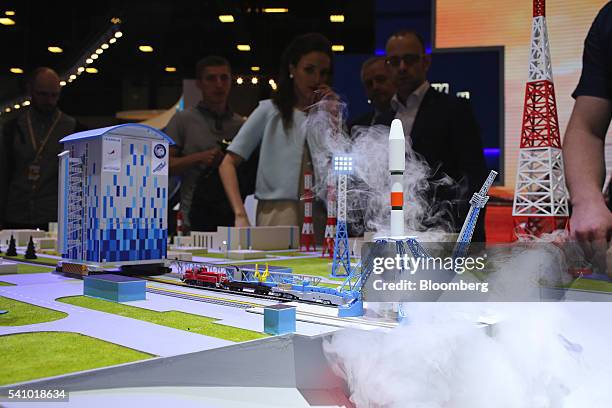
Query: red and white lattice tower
330	227
540	197
307	240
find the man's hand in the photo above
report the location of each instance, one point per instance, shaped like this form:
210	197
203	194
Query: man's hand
242	221
591	226
591	222
211	157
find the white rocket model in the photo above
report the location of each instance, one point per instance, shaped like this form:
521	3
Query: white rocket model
397	165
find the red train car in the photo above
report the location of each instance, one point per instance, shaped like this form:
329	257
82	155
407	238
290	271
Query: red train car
203	277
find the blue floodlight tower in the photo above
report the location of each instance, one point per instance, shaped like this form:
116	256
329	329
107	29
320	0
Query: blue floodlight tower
478	201
343	166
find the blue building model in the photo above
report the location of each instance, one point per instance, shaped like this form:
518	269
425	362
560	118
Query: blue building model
113	186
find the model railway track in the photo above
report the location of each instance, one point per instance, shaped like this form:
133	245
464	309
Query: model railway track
203	298
276	299
218	290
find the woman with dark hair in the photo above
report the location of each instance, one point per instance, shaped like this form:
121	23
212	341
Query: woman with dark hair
305	75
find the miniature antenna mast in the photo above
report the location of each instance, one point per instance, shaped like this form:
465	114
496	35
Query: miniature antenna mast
478	201
307	240
343	165
540	196
330	227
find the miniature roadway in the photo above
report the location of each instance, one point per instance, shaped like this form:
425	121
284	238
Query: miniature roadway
42	289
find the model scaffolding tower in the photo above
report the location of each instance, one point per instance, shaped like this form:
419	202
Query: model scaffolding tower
330	227
71	171
478	201
343	166
307	240
540	198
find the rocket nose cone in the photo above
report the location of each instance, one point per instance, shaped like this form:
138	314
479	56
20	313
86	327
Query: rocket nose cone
397	131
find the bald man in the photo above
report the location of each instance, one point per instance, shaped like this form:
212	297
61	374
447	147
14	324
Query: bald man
28	155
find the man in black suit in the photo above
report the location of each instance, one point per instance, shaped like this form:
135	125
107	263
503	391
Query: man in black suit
442	129
379	88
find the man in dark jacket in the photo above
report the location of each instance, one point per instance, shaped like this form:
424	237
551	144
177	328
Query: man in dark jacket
442	129
28	155
379	88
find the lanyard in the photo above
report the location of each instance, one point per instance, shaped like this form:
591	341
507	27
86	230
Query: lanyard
38	149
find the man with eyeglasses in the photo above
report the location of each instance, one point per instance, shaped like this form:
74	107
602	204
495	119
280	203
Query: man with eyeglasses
28	155
441	128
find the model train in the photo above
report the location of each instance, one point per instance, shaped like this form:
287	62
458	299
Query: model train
234	279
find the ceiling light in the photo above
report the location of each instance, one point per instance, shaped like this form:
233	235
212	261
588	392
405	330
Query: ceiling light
89	61
112	40
7	21
170	69
80	69
26	103
336	18
226	18
9	13
16	70
70	80
337	47
62	83
116	20
118	34
239	80
243	47
254	68
272	84
17	106
91	70
254	80
7	110
73	77
145	48
104	46
94	56
275	10
99	51
55	49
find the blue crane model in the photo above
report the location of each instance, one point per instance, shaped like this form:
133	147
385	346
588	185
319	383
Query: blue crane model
478	201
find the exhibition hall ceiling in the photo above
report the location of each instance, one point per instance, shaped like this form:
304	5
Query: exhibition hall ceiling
180	32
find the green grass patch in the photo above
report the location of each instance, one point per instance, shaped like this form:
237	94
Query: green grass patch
29	356
203	253
21	313
6	284
290	253
330	285
177	320
307	266
591	284
23	268
40	259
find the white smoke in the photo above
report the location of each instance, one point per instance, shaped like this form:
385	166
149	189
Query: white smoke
541	355
369	189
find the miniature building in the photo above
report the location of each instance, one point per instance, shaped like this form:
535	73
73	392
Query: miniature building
260	238
22	236
45	243
113	185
